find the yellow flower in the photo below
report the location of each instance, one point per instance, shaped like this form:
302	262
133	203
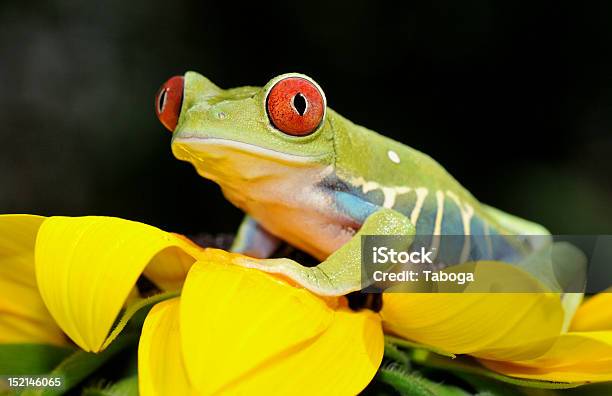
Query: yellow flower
584	354
238	330
520	335
232	329
23	315
241	331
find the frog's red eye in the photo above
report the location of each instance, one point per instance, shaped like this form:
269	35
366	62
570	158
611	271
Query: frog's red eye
295	106
168	102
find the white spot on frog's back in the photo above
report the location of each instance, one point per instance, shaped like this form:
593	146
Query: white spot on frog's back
393	156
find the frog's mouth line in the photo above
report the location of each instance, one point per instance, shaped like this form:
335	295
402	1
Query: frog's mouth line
187	148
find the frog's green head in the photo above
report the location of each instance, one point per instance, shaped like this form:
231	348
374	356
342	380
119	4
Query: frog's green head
247	133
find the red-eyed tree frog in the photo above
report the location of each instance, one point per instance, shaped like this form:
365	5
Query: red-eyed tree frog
304	174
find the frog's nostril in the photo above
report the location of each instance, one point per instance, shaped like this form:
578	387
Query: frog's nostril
168	102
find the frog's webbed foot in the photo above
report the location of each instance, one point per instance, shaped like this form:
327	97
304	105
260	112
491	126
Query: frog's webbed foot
253	240
340	273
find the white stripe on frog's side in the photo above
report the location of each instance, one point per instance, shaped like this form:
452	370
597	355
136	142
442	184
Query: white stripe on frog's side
421	194
487	237
389	193
435	240
467	212
439	212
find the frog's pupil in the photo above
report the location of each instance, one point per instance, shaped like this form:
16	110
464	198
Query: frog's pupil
162	100
300	104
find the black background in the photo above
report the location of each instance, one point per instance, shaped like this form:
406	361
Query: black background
513	99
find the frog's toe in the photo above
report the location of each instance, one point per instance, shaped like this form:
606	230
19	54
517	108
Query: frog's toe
311	278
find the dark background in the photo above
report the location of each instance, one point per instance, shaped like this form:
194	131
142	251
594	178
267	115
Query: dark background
513	99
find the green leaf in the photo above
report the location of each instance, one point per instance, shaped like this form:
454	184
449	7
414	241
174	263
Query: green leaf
81	364
489	387
406	384
465	364
604	388
393	353
30	359
413	384
126	387
72	365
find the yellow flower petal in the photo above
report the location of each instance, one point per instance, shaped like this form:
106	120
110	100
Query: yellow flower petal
169	268
161	370
574	357
343	360
503	324
23	315
245	331
493	325
594	314
87	266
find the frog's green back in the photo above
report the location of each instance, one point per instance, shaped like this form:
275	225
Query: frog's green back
390	174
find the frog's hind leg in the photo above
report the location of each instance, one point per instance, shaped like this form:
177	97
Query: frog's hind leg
536	235
253	240
340	273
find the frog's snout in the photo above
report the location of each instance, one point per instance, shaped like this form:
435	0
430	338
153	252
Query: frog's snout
168	102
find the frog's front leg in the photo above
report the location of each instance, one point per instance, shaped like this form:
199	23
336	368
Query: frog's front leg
340	273
253	240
